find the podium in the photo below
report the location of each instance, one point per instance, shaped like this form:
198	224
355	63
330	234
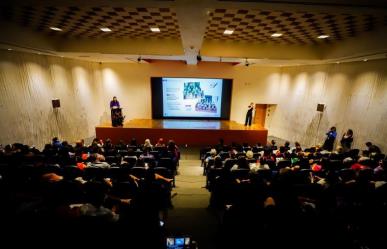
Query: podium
117	117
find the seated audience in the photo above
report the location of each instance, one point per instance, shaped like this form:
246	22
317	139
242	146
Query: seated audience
373	149
94	208
97	160
147	145
160	143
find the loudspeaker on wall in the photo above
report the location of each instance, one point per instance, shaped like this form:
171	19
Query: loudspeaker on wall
320	107
55	103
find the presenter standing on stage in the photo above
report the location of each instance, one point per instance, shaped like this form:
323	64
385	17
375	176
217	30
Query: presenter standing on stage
116	114
114	103
249	114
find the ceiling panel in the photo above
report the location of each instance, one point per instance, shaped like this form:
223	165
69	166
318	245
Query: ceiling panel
85	22
296	27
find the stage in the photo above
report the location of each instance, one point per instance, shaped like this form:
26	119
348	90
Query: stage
183	131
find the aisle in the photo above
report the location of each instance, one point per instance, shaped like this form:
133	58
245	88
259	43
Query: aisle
190	215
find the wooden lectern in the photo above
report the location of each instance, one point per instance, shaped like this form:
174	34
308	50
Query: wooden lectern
117	117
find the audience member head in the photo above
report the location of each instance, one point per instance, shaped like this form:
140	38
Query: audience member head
347	162
133	142
213	152
171	145
298	147
147	143
51	177
8	148
232	153
333	128
365	153
249	154
242	163
56	142
92	158
339	149
99	158
160	142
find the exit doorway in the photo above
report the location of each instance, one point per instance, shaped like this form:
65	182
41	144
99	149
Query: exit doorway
262	114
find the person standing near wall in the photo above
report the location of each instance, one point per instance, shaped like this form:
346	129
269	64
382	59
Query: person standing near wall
249	114
346	140
330	140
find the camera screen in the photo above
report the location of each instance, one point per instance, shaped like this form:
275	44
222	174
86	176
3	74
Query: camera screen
178	242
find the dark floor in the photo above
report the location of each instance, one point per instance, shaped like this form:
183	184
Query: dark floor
190	215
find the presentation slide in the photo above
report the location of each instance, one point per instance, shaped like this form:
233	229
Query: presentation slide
192	97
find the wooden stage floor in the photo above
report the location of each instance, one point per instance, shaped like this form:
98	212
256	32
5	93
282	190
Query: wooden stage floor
183	131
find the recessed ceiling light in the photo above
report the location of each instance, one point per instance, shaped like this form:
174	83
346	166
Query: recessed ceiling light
365	59
322	36
276	35
155	29
56	28
228	32
337	62
9	49
105	29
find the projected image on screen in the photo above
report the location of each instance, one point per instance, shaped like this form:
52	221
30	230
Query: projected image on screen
192	97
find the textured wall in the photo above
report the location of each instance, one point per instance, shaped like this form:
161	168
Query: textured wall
28	82
355	95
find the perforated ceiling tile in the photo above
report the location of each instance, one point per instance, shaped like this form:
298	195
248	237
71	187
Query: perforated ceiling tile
296	27
85	22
